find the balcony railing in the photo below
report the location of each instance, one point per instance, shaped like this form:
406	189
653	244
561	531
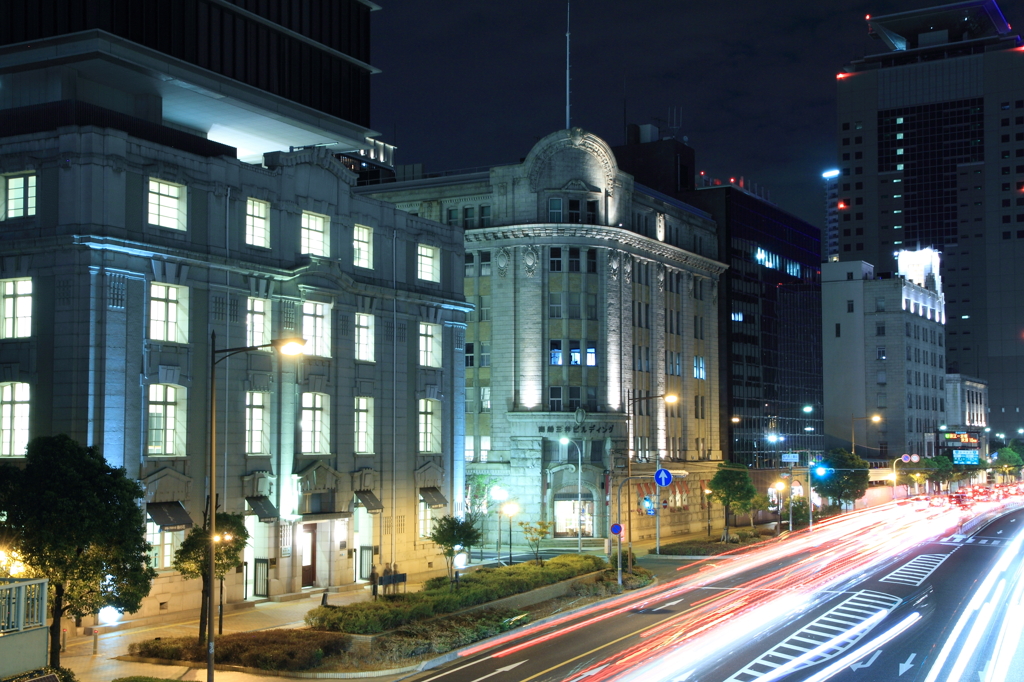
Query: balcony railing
22	605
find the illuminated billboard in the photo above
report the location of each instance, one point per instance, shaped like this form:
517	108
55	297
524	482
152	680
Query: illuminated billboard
965	456
963	447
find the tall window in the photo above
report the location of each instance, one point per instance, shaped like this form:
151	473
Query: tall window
167	202
163	545
314	234
257	222
485	355
428	263
554	399
485	263
315	424
429	426
554	210
362	246
425	519
699	370
470	265
574	305
16	308
591	356
430	344
168	313
166	420
470	355
574	352
555	259
592	260
554	305
485	308
468	217
19	198
556	352
485	398
316	328
364	425
591	306
14	406
257	439
364	337
574	260
257	321
485	216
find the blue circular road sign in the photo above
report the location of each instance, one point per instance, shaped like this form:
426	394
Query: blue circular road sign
616	529
663	477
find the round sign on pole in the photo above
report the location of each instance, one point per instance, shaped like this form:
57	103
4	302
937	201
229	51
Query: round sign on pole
915	458
616	529
663	477
905	458
664	504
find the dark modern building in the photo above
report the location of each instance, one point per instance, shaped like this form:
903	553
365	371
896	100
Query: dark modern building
770	344
931	154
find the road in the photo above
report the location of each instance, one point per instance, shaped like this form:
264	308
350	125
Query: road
890	593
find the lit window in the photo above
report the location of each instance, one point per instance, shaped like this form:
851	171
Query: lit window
257	223
168	313
425	519
699	370
737	317
430	345
574	352
316	329
257	439
167	203
163	546
556	352
591	356
364	425
257	321
315	424
19	197
468	451
166	420
314	235
485	398
429	426
16	307
14	406
485	447
428	263
364	337
362	246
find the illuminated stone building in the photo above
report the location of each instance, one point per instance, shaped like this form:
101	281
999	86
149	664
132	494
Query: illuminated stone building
154	191
884	347
594	296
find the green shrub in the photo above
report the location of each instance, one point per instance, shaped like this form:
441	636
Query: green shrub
143	678
443	635
640	577
267	649
437	597
63	674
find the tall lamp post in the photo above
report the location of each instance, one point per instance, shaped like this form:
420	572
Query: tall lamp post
669	398
510	509
707	500
779	487
285	347
499	494
579	493
853	432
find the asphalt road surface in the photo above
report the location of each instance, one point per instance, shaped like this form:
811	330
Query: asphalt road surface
893	593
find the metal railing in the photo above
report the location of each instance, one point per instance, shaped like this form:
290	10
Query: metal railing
22	604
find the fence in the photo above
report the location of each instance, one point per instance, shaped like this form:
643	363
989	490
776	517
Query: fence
23	632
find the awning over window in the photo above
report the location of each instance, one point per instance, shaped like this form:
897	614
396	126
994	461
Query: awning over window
370	501
433	497
170	516
264	508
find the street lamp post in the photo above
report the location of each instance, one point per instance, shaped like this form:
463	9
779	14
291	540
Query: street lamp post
285	347
630	403
779	487
510	509
579	493
853	433
499	494
707	501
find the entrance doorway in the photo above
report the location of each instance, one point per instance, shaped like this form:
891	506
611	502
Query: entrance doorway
308	545
572	517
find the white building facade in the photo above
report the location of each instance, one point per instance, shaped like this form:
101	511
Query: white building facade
884	355
594	298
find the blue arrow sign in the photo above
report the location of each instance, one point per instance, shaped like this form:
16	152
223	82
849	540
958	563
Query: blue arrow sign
663	477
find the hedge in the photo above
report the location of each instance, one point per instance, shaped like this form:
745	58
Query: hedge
266	649
437	597
63	674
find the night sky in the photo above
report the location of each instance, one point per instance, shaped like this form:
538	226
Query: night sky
751	83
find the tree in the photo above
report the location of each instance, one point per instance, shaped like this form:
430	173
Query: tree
451	534
1008	461
730	485
848	481
75	520
478	490
534	533
192	558
755	504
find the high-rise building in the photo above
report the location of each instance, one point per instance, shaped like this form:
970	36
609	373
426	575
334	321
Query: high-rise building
596	298
770	309
884	345
132	231
931	154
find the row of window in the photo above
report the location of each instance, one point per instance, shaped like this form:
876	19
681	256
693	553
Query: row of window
469	217
569	305
571	398
575	355
166	422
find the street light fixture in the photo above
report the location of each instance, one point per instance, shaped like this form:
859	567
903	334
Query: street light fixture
779	487
499	494
510	509
579	493
292	346
853	434
669	398
707	501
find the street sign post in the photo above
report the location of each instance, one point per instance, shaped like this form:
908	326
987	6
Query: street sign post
616	529
663	477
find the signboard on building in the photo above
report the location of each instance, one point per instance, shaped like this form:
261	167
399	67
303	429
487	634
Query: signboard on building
962	447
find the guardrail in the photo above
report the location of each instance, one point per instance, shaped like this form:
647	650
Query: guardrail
988	516
22	604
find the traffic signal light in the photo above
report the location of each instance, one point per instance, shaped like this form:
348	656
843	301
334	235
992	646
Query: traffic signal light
824	471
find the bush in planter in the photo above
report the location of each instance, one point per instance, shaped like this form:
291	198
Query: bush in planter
268	649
